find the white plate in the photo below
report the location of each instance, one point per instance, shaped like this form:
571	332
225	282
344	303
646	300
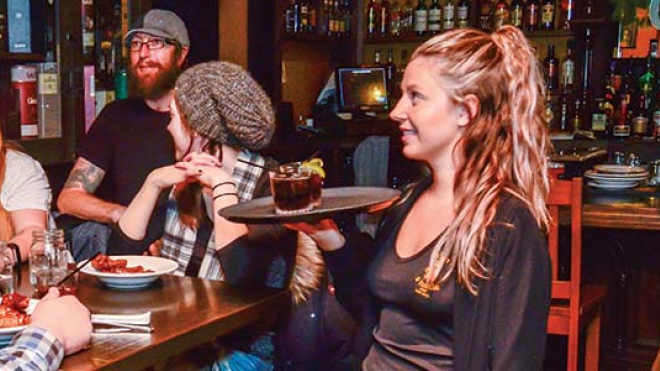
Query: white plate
7	333
612	186
619	169
614	177
134	281
616	183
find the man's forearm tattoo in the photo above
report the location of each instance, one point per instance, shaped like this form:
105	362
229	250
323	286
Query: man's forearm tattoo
85	175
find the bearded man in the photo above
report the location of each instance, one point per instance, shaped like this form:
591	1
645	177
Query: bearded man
128	139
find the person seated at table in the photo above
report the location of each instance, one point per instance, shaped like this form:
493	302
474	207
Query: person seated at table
458	277
24	199
60	326
220	117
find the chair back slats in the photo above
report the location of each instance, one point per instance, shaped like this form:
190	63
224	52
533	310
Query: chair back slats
565	194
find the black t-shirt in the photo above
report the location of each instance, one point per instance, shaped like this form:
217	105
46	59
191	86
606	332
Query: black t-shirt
128	140
415	329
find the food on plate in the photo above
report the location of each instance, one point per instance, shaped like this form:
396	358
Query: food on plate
106	264
12	310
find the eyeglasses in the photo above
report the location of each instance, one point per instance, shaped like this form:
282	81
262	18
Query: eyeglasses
152	44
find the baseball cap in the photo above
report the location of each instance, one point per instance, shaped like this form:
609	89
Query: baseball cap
160	23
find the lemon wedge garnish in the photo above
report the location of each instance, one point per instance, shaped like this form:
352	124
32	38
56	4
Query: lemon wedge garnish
316	165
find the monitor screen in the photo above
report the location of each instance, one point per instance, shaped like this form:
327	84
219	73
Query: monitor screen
361	89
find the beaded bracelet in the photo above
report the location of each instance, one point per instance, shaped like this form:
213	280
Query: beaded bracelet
221	184
225	194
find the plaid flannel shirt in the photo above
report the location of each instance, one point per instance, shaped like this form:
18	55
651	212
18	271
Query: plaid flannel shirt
32	349
179	240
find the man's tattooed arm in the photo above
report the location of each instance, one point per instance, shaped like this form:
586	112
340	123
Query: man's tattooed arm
85	175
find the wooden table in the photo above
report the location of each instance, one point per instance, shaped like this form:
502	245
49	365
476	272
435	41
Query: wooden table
186	312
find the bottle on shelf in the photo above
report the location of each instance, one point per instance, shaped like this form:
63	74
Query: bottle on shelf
421	18
501	15
88	18
395	19
516	13
486	9
323	18
390	69
290	17
625	98
435	17
373	13
549	114
647	80
304	16
566	15
449	15
587	69
462	13
566	110
532	11
548	15
568	67
407	17
401	68
599	120
384	24
377	59
551	69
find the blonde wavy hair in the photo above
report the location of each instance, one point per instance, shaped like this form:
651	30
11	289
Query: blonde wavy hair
502	151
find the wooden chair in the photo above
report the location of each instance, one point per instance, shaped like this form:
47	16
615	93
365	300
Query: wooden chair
575	307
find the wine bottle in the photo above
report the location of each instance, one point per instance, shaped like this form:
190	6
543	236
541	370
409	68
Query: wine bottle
532	15
516	13
501	16
486	15
435	17
550	67
384	24
421	18
373	12
449	15
548	15
395	19
463	13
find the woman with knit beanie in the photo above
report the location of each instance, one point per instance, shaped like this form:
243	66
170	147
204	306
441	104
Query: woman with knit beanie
220	116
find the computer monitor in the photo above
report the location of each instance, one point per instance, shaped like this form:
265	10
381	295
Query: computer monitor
361	90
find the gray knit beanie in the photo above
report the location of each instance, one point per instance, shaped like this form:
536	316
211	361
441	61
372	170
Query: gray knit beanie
221	101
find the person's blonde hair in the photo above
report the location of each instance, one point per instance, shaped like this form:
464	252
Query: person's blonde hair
502	150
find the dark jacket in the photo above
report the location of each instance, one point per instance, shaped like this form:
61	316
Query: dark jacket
504	327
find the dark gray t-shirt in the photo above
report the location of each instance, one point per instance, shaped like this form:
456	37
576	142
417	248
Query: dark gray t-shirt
415	329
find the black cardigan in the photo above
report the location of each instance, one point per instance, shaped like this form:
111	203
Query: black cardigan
504	327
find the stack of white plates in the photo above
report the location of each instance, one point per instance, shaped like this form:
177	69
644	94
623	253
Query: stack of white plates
616	176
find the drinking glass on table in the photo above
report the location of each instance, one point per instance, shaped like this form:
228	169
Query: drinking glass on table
50	262
7	271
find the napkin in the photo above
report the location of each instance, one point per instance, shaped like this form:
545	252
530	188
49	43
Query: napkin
133	319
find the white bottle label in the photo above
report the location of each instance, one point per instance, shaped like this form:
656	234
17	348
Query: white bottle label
448	16
421	19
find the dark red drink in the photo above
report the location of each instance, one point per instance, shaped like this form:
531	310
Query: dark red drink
316	186
291	192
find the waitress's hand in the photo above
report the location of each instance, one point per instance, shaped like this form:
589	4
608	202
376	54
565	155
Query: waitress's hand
325	233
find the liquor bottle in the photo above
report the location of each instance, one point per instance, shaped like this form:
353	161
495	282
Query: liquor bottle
516	13
599	120
549	114
449	15
435	17
647	80
463	13
88	30
548	15
486	15
390	74
566	110
407	17
421	18
290	18
3	26
401	68
303	11
625	96
395	19
610	93
347	16
373	12
501	16
655	118
550	67
568	67
377	59
323	18
566	15
532	11
384	24
312	18
587	61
